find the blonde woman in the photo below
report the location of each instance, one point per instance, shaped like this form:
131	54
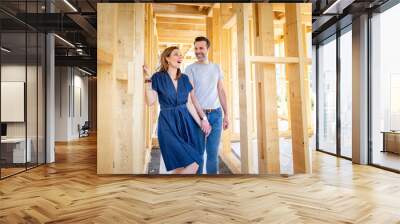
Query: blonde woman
181	122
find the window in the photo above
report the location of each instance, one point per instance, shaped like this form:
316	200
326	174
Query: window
385	89
327	96
346	93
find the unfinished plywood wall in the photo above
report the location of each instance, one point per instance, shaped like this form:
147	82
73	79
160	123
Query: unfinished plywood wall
121	110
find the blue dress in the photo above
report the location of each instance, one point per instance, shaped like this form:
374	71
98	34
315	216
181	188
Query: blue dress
179	136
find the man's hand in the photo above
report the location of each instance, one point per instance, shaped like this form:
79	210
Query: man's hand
205	127
225	123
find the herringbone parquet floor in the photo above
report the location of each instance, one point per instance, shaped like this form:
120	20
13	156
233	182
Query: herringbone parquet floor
69	191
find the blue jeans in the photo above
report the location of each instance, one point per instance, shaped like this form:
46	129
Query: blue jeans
212	142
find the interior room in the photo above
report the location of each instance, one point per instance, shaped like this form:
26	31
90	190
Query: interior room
160	22
314	133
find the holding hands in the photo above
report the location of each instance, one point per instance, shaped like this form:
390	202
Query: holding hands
205	127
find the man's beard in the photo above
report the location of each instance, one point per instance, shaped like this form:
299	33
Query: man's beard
200	55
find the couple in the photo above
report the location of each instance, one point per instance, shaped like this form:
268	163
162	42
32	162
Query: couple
190	120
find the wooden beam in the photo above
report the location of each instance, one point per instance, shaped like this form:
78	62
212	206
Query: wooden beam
305	8
208	5
104	57
231	21
179	21
232	162
164	44
209	33
243	11
180	33
276	60
181	11
121	105
216	40
226	12
294	47
105	43
188	27
210	12
267	116
125	40
306	79
305	20
226	65
177	40
138	104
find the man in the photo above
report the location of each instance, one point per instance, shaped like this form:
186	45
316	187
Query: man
206	79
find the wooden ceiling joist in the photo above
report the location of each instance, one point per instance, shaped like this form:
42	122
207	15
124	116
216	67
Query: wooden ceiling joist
178	11
180	34
176	40
180	21
186	27
194	4
305	8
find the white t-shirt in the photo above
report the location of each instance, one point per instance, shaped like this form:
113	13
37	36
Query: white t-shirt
205	79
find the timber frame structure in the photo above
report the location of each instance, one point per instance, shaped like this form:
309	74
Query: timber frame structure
250	41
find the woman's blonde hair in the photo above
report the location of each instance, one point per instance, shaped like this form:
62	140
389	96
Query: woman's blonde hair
164	63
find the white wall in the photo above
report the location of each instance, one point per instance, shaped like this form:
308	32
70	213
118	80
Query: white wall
12	73
71	93
33	127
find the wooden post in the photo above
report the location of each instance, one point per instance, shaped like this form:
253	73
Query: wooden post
105	43
294	47
217	37
242	14
267	116
138	106
307	79
209	32
226	68
125	40
121	127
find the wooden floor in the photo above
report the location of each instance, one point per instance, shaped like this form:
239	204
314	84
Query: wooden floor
69	191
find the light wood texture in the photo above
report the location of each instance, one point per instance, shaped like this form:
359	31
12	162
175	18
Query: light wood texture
226	66
229	22
276	60
226	14
210	35
217	37
125	39
294	47
121	90
138	102
242	14
267	117
70	191
179	11
179	21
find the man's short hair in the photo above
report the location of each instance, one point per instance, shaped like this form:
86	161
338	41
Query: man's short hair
201	38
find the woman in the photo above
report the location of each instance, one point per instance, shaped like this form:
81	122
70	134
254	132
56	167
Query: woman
179	136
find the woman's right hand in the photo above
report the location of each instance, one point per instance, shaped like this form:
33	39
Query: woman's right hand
205	127
146	72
